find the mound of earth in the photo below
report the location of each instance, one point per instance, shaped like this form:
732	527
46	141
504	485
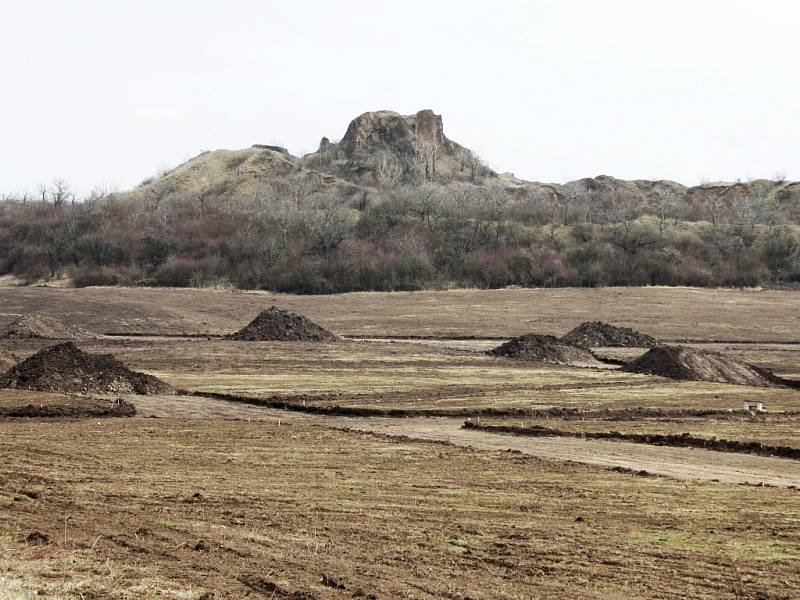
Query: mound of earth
275	324
66	368
593	334
681	362
42	327
45	405
545	348
7	360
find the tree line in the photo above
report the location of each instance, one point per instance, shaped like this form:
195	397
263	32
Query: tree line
294	235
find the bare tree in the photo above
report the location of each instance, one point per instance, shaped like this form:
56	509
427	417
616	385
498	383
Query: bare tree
472	162
746	210
625	207
61	192
537	204
626	232
328	224
101	192
425	203
270	250
714	207
664	204
566	199
297	187
493	209
58	192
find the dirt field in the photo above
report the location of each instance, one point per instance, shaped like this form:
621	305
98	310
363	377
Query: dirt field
142	508
667	313
197	495
411	376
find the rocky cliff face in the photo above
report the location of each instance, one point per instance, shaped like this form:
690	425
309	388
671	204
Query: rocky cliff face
385	148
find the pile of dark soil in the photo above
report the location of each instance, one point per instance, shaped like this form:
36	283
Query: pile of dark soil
594	334
42	327
275	324
545	348
681	362
70	408
65	368
7	360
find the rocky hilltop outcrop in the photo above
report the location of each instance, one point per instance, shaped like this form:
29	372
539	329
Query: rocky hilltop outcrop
385	149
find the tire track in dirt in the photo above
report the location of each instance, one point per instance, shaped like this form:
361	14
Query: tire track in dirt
680	463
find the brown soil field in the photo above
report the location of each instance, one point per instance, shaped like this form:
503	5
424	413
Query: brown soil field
408	375
197	496
142	508
680	463
666	313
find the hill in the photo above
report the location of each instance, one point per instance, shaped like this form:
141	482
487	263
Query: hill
241	174
397	205
383	149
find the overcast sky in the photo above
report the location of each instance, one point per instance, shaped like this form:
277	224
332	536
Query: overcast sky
107	92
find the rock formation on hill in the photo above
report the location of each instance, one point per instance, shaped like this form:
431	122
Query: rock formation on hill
275	324
693	364
66	368
384	149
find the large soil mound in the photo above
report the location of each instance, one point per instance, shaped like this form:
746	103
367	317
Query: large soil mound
275	324
593	334
681	362
42	327
65	368
545	348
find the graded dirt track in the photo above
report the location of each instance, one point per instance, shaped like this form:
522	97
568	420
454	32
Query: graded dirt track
680	463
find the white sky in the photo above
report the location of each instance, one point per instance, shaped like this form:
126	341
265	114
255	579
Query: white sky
108	91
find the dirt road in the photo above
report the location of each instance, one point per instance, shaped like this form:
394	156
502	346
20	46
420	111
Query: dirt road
680	463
